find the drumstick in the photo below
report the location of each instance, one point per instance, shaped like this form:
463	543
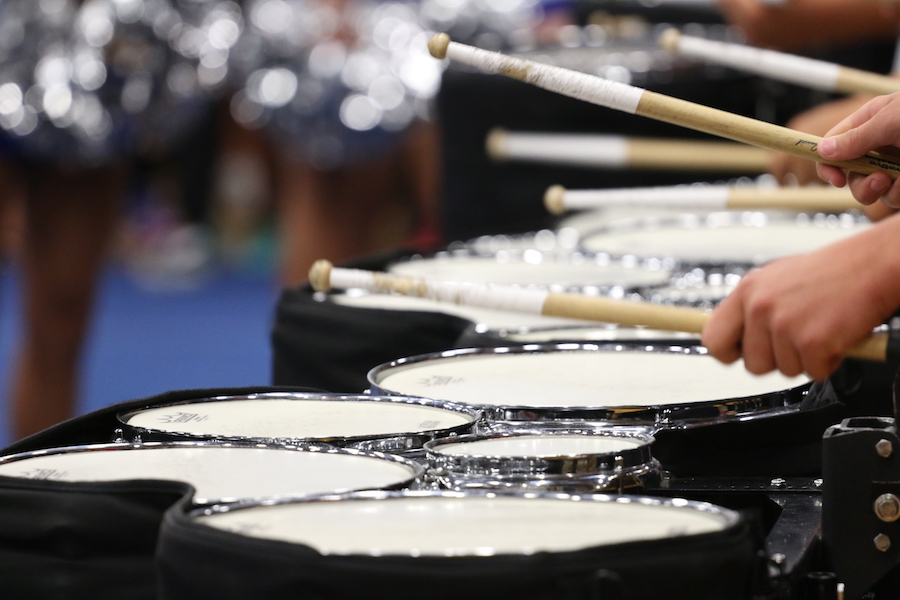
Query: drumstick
589	150
323	276
558	199
808	72
635	100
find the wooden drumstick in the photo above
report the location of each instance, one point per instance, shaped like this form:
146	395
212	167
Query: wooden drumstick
558	199
590	150
808	72
324	276
635	100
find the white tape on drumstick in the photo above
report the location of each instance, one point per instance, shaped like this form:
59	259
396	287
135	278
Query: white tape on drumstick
576	149
490	296
704	197
781	66
711	197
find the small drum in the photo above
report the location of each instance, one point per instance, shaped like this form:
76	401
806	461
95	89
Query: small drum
576	461
729	239
696	407
670	386
543	240
395	424
555	271
220	473
473	545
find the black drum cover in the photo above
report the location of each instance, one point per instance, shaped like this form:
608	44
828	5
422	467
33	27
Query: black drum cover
87	540
197	562
332	347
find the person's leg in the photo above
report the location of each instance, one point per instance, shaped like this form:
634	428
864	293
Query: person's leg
337	214
69	221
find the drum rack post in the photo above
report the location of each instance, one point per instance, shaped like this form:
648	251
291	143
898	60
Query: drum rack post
861	501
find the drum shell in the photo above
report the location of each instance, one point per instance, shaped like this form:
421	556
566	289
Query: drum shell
616	471
193	558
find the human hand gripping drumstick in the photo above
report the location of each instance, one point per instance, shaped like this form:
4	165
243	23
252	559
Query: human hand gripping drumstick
634	100
324	276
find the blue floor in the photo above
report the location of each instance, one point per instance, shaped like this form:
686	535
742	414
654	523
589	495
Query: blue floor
147	340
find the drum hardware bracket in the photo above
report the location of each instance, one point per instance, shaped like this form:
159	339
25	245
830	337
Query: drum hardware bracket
861	501
793	541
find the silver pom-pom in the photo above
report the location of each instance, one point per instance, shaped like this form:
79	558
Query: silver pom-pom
89	83
334	87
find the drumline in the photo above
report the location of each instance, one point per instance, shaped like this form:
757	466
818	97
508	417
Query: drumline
554	425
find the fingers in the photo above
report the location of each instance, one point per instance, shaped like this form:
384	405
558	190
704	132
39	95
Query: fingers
867	189
748	324
724	330
874	125
833	175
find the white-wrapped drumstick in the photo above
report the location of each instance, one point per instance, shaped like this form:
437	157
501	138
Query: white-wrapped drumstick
324	276
710	197
781	66
635	100
617	151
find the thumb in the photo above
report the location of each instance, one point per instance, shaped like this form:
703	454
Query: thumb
848	145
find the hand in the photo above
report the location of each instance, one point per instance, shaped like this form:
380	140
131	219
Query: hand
789	169
874	126
800	314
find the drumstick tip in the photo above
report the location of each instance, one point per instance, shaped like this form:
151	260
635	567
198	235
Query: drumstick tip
495	144
668	40
437	45
553	199
320	275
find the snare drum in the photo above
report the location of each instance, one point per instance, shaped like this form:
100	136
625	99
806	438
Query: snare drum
662	388
395	424
219	473
571	461
448	546
730	239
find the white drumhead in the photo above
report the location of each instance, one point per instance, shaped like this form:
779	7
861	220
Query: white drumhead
695	294
562	271
465	526
494	319
584	222
302	419
581	379
540	445
217	473
726	243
